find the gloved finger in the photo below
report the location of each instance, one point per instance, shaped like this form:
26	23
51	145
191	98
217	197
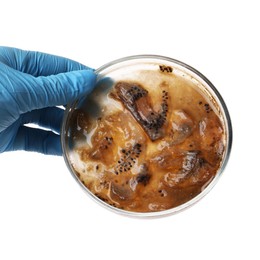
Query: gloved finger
50	118
7	136
65	87
36	140
38	63
33	93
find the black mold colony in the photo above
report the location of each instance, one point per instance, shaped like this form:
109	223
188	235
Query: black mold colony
155	121
150	120
128	158
134	93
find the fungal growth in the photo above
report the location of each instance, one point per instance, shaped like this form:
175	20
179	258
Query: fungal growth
156	143
137	100
128	158
164	68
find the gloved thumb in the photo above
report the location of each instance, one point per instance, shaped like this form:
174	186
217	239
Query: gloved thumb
55	90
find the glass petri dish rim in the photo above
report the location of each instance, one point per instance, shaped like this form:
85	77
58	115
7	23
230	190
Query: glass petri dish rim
226	118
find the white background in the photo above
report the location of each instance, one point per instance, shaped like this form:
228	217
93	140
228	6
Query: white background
44	214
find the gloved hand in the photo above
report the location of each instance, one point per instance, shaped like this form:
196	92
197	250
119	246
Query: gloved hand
32	84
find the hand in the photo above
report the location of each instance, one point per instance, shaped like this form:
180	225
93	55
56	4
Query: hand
32	84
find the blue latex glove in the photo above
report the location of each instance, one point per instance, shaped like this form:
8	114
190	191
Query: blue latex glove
32	84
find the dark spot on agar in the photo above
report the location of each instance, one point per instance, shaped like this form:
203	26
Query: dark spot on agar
164	68
144	176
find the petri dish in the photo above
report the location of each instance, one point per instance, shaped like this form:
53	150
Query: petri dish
152	139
